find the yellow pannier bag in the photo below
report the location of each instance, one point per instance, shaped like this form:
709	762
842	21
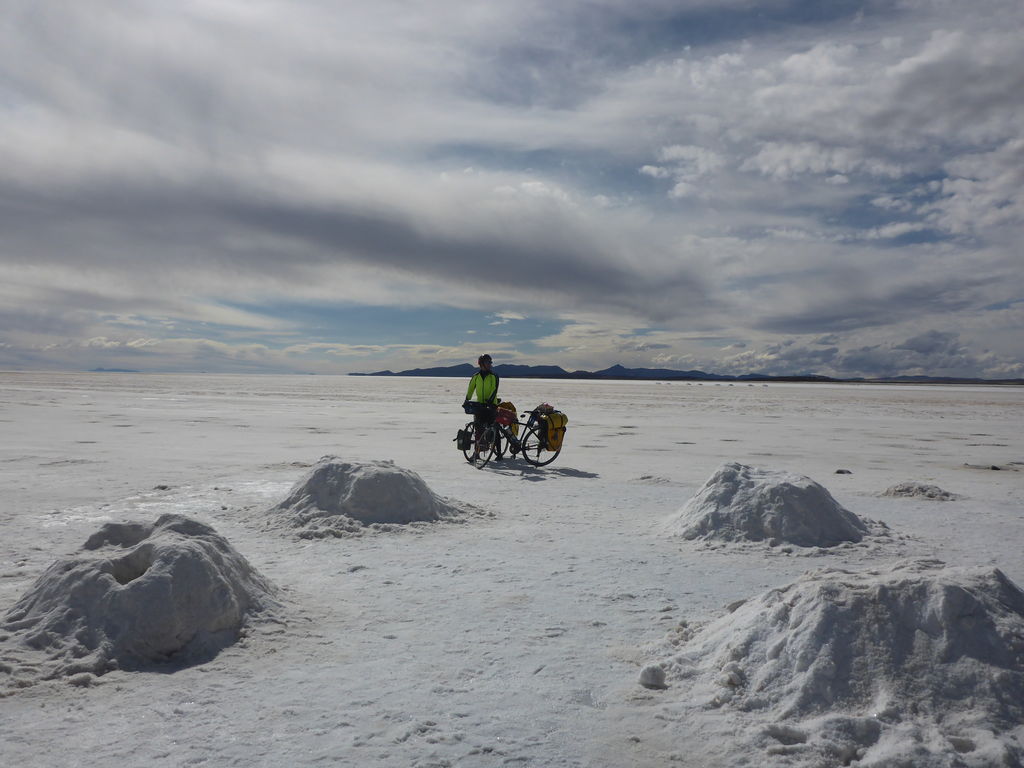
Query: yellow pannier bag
556	430
507	416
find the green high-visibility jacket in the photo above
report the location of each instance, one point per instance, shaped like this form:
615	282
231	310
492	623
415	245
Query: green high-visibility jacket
486	387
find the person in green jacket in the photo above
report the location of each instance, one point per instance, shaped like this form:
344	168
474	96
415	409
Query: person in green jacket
483	394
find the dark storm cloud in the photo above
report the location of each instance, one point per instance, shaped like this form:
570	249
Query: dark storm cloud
933	343
579	269
933	353
885	305
161	236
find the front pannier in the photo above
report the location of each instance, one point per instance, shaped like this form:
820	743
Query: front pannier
464	439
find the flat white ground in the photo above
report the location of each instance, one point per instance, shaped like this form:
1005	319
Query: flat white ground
510	640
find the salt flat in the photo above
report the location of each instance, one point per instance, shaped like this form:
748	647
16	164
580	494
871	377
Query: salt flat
510	638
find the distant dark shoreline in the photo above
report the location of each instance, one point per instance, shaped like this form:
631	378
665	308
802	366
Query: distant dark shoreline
670	376
619	373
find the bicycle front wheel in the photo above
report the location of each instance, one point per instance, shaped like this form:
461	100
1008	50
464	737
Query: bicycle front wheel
471	450
532	447
481	450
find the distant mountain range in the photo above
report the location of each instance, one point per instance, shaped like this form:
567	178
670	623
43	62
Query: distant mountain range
619	372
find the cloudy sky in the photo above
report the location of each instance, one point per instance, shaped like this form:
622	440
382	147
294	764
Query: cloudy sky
777	186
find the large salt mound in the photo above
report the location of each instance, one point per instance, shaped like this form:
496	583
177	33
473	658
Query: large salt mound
742	503
337	498
915	665
134	595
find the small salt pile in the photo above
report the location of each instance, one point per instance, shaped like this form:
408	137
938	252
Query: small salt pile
915	490
743	503
338	498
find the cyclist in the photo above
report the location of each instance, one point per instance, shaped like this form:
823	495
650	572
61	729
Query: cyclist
484	388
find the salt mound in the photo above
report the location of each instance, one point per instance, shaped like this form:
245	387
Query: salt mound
337	497
919	491
135	594
742	503
917	657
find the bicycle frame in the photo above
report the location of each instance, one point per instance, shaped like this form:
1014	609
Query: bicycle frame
532	445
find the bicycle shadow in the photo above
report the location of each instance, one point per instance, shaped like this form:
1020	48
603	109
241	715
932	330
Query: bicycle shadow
529	472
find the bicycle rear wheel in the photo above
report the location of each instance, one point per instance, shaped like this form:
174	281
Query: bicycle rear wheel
481	450
532	446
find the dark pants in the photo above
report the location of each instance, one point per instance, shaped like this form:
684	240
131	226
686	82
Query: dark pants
483	415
